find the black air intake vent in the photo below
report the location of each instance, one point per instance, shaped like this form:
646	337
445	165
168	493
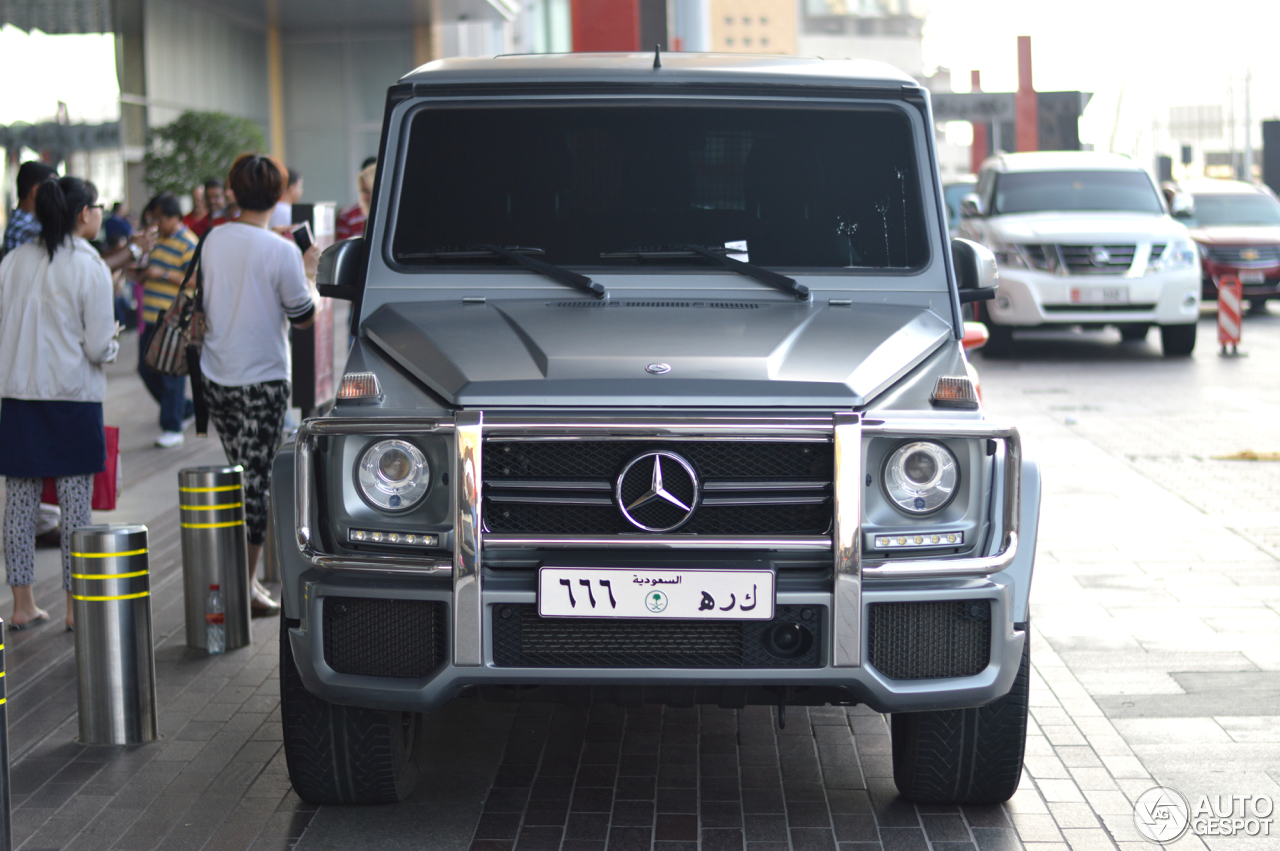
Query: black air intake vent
384	638
916	641
522	639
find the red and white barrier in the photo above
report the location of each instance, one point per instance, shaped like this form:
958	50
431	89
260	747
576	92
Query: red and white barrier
1230	297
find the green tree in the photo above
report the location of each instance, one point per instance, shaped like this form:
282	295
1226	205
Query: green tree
195	147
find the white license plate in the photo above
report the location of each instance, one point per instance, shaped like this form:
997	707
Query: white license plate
1252	276
1099	295
616	592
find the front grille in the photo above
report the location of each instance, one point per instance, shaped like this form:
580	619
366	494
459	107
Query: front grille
523	639
915	641
383	638
1080	259
556	487
1261	255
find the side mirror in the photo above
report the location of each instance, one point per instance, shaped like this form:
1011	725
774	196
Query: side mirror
1182	206
976	271
341	271
971	207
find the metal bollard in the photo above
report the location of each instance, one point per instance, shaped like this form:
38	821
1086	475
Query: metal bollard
111	593
6	832
214	550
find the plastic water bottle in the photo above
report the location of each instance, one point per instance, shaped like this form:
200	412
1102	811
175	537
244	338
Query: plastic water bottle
215	635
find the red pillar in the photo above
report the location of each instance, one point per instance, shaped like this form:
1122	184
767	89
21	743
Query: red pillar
605	25
978	152
1026	115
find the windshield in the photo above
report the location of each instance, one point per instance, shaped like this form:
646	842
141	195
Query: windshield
1213	210
1063	191
782	187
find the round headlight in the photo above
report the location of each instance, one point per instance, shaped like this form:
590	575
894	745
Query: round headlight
921	477
393	475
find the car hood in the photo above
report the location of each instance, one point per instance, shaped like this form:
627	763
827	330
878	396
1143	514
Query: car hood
1237	235
535	353
1092	228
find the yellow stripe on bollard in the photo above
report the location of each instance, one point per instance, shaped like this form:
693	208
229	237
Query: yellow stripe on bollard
106	576
110	555
212	525
211	507
217	489
106	599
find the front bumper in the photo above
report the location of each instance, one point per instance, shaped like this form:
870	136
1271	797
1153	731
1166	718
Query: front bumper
469	594
1028	298
1269	287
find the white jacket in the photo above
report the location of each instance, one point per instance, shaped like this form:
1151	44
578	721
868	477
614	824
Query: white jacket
57	323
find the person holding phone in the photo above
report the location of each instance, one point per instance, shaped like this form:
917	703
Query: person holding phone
256	284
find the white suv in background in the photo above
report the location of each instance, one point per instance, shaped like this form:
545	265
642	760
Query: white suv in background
1083	239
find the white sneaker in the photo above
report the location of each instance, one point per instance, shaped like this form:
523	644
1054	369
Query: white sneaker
169	439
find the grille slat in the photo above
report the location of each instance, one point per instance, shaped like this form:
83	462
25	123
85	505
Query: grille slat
750	487
523	639
384	638
915	641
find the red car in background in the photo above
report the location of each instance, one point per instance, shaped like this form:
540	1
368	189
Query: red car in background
1237	228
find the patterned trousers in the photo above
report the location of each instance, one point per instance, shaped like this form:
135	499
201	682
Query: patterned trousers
250	422
22	509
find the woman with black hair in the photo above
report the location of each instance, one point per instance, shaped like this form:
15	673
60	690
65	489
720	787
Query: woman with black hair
57	329
255	287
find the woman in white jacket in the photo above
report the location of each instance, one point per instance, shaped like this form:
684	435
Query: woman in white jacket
57	329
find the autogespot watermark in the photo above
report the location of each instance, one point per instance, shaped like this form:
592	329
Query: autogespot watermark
1162	814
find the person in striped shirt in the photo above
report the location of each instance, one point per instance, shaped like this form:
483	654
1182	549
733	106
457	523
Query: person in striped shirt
167	265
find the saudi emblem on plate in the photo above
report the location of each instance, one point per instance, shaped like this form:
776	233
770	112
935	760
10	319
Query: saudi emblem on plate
655	602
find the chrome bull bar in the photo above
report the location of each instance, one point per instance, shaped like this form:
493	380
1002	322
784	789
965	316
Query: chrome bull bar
847	430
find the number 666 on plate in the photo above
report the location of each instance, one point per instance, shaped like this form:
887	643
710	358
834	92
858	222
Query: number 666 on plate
615	592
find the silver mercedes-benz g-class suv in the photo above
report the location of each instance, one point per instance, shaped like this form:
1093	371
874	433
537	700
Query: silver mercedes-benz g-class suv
657	396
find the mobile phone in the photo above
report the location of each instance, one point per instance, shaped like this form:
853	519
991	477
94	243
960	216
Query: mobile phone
302	236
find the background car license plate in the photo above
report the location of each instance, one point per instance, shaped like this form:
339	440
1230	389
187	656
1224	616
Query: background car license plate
615	592
1099	295
1252	276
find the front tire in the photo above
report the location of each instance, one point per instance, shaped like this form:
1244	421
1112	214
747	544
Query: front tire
343	754
1178	341
1134	333
964	756
999	337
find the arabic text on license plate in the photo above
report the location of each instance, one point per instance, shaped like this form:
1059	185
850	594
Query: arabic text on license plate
1252	276
1099	295
615	592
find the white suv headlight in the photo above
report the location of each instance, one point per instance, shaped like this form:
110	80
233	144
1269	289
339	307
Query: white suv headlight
1008	254
393	474
921	476
1181	254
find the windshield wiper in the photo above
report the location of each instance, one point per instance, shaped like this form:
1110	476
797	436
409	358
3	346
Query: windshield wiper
520	256
719	256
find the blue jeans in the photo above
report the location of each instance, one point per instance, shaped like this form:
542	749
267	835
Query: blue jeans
169	390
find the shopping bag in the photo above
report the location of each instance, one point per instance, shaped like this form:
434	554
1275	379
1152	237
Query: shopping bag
107	485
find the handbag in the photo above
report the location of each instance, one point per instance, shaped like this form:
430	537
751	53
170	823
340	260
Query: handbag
179	337
182	326
106	485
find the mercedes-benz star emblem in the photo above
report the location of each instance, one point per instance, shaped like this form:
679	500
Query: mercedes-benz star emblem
657	491
658	368
1100	255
